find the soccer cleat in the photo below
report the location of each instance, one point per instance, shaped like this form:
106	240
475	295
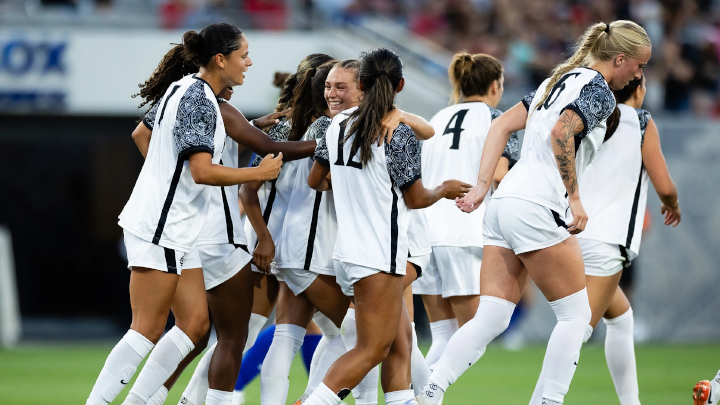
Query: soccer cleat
701	393
431	394
298	402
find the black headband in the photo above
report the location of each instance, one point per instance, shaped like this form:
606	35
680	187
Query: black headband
607	28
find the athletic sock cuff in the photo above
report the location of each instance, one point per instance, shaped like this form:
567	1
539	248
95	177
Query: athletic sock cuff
257	318
139	343
499	301
294	332
574	307
181	340
588	334
399	397
219	397
618	319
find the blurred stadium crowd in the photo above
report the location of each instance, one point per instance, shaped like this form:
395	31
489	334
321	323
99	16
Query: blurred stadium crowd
529	36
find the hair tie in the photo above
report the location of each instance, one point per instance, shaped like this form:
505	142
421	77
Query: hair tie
607	28
382	73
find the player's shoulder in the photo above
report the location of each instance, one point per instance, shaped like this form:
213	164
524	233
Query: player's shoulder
402	134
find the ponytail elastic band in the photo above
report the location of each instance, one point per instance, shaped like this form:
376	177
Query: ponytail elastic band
607	28
382	73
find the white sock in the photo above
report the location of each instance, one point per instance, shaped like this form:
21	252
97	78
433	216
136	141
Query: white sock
563	349
238	398
159	397
441	332
323	396
119	368
255	325
196	390
620	356
715	388
419	369
404	397
169	352
217	397
468	344
366	392
332	352
275	370
588	333
329	332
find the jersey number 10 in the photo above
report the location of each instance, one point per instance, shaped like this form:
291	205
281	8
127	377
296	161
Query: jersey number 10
458	117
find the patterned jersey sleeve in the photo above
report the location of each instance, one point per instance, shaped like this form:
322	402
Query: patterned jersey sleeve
403	157
318	128
194	129
278	133
322	155
527	100
512	149
149	118
644	117
594	104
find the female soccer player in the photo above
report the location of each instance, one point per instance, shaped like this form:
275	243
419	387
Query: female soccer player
614	189
450	286
373	186
526	228
182	158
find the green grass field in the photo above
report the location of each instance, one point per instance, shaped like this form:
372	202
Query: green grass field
64	375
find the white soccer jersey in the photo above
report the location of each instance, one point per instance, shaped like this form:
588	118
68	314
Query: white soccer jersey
371	212
418	234
308	234
223	224
167	207
614	187
274	195
536	177
454	153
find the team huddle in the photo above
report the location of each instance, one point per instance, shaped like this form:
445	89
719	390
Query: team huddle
346	221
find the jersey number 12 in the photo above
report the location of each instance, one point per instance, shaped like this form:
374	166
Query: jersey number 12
341	145
458	117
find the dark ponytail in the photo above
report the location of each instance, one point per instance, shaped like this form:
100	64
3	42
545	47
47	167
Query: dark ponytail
184	59
303	101
309	62
612	124
472	75
380	74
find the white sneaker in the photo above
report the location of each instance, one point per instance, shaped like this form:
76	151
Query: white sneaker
431	394
238	398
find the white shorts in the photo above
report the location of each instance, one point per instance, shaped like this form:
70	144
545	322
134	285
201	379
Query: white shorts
298	280
452	271
420	262
220	262
141	253
601	259
522	226
347	274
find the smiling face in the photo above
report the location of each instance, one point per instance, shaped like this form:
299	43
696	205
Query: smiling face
237	63
627	69
341	90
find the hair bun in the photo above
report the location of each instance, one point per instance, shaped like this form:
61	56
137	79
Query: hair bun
193	45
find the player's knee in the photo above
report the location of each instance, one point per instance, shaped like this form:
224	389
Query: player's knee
195	327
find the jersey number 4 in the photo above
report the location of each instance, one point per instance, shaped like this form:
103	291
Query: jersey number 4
340	146
456	129
557	88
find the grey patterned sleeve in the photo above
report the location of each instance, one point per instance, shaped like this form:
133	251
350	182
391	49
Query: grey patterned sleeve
278	133
149	118
644	117
527	100
403	157
594	104
512	149
318	128
194	129
322	155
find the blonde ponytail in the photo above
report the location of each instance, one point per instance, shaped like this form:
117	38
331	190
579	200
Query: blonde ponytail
601	42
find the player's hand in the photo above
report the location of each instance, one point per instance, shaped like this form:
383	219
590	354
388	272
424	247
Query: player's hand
580	218
270	167
473	199
453	189
270	119
264	254
672	215
389	124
